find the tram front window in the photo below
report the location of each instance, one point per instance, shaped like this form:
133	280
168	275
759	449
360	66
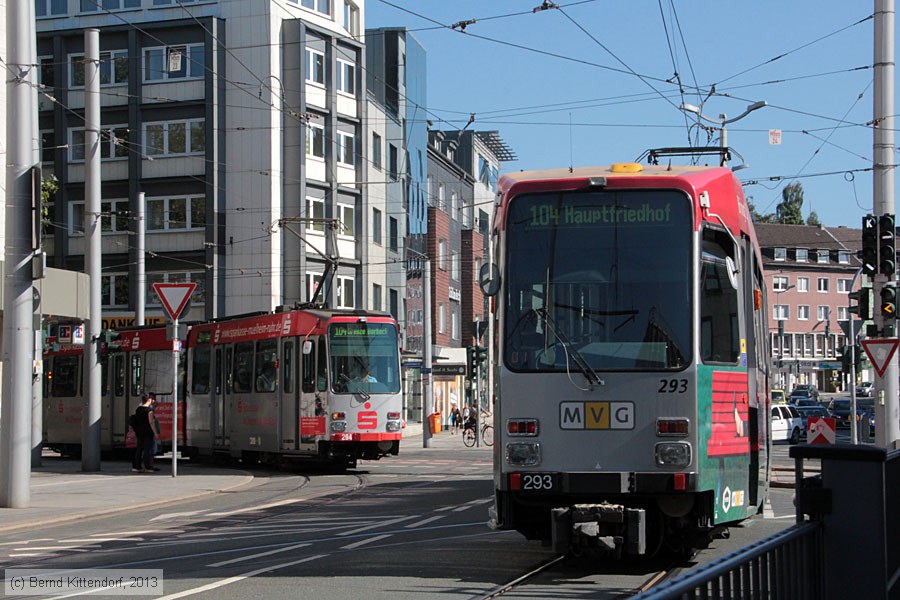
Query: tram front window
364	358
598	280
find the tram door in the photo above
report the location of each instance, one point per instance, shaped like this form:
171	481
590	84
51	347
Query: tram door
222	389
119	413
313	398
290	401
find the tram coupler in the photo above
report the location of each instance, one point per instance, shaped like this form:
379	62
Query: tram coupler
610	528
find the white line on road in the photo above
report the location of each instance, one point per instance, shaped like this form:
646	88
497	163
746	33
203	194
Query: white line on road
252	556
377	525
175	515
472	504
248	574
255	508
424	522
365	541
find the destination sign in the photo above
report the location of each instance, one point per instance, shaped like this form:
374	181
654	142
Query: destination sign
552	215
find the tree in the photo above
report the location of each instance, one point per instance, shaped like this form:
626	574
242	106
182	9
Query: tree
813	219
49	187
756	216
790	210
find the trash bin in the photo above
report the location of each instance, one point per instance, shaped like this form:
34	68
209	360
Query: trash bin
434	421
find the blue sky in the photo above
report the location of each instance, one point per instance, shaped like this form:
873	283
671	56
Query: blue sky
587	84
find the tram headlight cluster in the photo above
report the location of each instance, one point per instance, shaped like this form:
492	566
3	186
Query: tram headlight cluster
523	454
338	423
673	454
393	422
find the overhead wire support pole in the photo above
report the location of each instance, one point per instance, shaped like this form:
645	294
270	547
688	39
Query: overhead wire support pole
18	302
887	405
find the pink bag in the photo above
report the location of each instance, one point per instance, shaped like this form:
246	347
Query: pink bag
130	439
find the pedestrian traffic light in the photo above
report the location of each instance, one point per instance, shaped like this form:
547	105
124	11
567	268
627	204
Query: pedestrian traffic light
470	362
111	338
889	302
870	245
481	355
781	327
863	309
887	249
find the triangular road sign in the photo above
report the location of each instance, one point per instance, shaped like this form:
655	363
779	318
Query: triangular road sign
880	353
174	296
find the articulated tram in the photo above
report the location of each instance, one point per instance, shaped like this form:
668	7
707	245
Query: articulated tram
630	365
302	384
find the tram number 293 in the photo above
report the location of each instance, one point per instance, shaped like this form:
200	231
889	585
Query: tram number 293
534	482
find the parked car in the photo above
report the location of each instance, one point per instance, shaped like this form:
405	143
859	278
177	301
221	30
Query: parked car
804	401
867	418
811	412
798	396
811	390
839	410
787	424
866	389
779	397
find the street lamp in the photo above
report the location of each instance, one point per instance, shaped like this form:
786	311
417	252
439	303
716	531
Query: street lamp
722	121
428	399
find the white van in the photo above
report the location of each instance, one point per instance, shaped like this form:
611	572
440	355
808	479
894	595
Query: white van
787	424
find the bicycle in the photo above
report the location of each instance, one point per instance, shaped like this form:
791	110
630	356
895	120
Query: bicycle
487	435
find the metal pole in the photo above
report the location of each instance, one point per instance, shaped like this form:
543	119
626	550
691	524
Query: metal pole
18	340
723	141
90	416
887	406
175	344
140	270
854	437
37	394
428	400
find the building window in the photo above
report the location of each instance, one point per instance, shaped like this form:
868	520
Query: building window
454	266
822	313
442	206
174	62
95	5
844	285
50	8
315	66
376	226
779	283
393	165
176	213
802	255
442	317
175	138
315	211
166	2
442	255
347	216
394	304
113	68
780	253
113	143
312	280
351	18
822	257
376	150
781	312
320	6
843	313
346	292
114	290
803	284
48	146
315	141
376	296
346	148
114	217
346	77
803	313
454	321
394	233
822	284
844	257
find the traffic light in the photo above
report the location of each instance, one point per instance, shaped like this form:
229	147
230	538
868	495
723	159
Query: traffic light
470	362
889	302
870	245
481	355
781	327
863	309
110	338
887	248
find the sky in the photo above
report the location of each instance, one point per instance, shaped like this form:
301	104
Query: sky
595	82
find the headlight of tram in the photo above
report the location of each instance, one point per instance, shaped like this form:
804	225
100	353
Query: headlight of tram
523	454
673	454
339	426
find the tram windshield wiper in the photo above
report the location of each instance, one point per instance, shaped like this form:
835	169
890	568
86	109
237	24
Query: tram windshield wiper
589	373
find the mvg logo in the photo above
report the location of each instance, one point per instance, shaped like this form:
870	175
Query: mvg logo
596	415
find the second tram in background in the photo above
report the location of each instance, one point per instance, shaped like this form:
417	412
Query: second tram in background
291	385
631	365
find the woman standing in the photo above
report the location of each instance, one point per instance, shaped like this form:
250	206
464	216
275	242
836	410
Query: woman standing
142	422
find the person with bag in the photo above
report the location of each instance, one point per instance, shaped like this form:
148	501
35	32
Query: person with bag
142	423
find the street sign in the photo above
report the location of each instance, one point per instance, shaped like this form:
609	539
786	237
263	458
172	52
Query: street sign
880	353
78	335
64	334
845	327
820	430
174	297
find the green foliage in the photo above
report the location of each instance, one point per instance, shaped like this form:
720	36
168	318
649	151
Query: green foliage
49	187
790	210
813	219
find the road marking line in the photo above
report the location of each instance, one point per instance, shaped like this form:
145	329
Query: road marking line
52	548
365	541
377	525
252	556
247	575
175	515
424	522
472	504
255	508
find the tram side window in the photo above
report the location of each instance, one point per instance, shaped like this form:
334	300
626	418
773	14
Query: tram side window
322	372
119	376
309	369
137	374
266	359
65	377
288	368
200	370
243	367
719	321
158	375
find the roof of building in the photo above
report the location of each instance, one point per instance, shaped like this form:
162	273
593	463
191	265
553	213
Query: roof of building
811	237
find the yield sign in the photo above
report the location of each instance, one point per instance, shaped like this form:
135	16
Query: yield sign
174	296
880	353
